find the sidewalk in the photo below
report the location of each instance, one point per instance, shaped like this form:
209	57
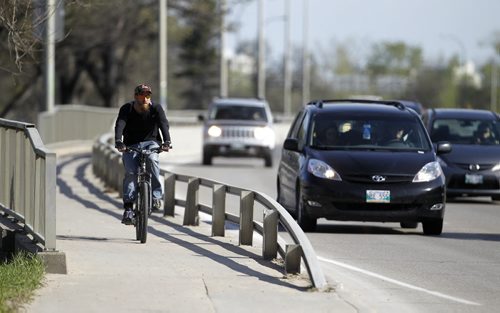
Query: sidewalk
179	269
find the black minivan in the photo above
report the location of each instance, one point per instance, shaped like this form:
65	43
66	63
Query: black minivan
362	160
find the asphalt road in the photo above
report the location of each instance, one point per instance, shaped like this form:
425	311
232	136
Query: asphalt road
384	268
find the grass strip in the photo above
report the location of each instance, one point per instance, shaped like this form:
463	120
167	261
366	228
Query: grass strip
19	277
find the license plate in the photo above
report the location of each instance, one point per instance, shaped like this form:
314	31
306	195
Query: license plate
237	146
473	179
378	196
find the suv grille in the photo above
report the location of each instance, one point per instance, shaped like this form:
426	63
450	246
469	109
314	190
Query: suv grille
237	132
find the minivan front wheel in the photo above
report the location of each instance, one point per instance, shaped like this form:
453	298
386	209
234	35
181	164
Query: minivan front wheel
433	226
305	222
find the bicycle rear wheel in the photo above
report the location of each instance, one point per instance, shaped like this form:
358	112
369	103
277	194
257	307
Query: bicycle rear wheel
144	211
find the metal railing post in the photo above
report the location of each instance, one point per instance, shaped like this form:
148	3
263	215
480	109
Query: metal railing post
169	195
292	259
246	218
219	210
191	216
270	235
50	201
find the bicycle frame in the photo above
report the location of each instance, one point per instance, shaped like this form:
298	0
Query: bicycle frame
143	203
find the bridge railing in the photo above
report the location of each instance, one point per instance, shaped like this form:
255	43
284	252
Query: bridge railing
106	164
28	181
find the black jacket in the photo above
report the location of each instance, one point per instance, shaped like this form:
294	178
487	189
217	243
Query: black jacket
138	127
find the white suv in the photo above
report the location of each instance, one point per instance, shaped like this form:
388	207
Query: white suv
236	127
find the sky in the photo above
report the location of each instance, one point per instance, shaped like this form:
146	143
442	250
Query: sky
442	28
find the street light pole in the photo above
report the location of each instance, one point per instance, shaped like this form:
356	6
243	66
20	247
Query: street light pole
50	51
223	63
287	84
305	53
261	73
163	53
494	80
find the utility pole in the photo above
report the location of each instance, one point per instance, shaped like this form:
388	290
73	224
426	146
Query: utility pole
261	73
223	63
163	52
50	50
287	84
305	53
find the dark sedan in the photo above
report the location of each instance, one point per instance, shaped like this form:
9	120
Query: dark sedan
359	160
473	167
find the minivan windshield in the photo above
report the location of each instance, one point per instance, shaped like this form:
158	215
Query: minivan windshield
238	112
331	131
466	131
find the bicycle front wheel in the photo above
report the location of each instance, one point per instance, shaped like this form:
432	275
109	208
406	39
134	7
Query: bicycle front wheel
144	211
137	217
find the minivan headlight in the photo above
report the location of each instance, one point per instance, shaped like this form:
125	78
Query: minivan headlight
429	172
322	170
214	131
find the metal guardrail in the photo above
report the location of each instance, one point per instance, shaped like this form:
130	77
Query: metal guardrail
106	164
92	121
28	181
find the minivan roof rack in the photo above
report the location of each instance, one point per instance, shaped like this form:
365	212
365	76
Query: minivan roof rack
320	103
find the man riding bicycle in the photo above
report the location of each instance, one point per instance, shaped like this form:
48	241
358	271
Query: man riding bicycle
138	125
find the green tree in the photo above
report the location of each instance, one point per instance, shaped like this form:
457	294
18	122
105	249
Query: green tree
198	55
396	58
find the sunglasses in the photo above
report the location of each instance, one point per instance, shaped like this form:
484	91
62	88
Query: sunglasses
147	95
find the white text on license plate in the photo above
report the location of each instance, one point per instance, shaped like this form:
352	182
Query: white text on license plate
378	196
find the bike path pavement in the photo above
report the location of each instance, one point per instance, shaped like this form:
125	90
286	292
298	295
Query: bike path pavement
179	269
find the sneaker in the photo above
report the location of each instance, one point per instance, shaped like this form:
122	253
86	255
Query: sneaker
156	205
128	214
128	217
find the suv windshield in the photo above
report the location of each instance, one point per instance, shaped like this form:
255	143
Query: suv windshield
238	112
332	131
466	131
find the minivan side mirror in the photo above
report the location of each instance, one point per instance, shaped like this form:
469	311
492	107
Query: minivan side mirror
291	144
443	147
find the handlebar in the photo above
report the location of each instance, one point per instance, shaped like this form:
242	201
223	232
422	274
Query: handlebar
145	151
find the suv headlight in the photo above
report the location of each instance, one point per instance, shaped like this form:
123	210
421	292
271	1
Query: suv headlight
322	170
214	131
429	172
265	135
261	133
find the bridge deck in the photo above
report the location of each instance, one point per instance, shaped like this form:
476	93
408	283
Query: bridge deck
179	269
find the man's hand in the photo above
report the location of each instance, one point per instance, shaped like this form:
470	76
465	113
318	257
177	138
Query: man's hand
120	146
166	146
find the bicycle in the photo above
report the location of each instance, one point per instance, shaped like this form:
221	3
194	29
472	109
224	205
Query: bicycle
144	198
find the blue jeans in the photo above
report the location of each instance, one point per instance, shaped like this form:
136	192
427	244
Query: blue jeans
131	164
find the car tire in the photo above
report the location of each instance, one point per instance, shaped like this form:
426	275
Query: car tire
207	158
268	159
305	222
409	224
495	198
433	226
